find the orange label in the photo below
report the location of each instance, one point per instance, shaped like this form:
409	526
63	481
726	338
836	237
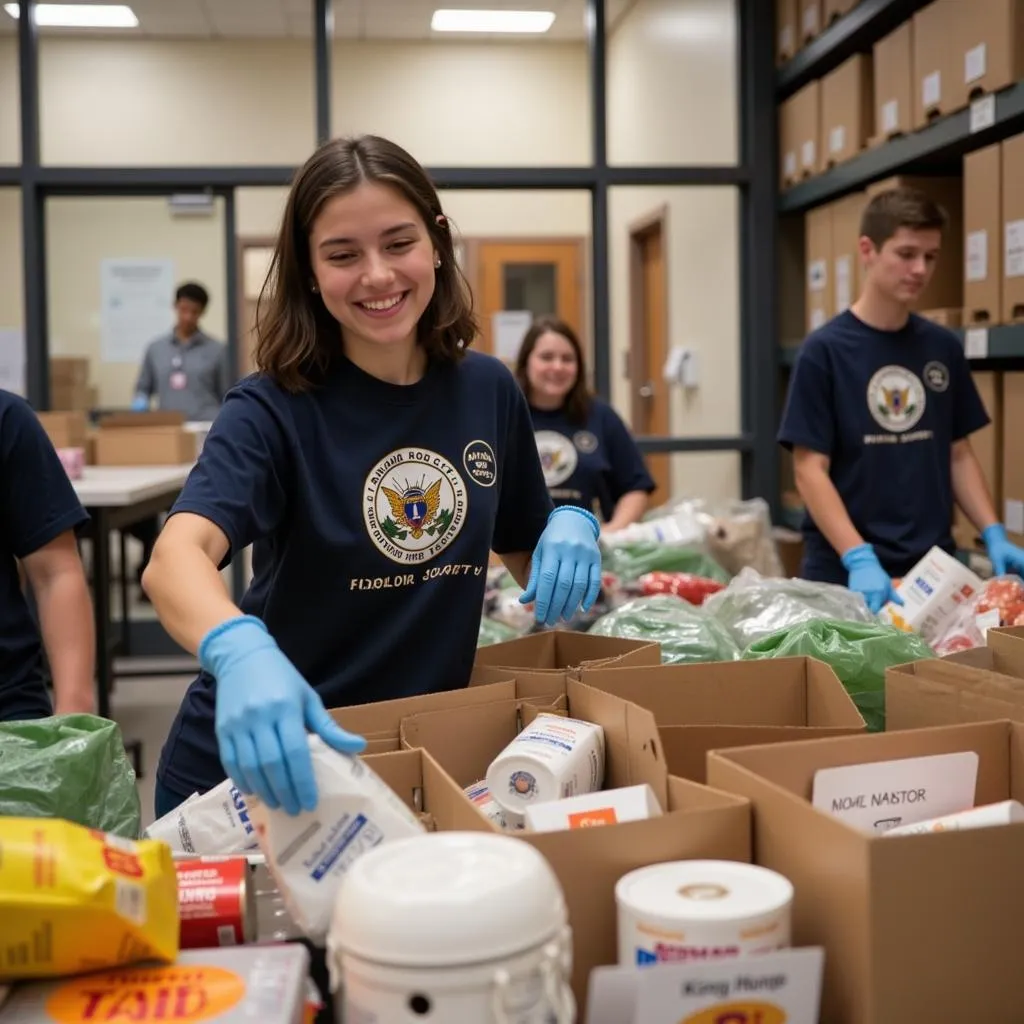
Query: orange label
588	819
160	995
739	1013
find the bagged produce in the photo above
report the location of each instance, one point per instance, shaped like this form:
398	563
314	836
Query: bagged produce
72	767
752	607
686	634
75	899
686	585
859	653
631	561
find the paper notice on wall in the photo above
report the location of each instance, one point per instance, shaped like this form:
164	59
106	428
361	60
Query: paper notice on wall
507	331
12	360
136	305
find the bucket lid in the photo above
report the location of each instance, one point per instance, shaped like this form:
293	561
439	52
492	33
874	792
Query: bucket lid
447	898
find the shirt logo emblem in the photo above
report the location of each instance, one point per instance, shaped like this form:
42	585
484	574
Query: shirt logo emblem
479	462
558	456
936	376
585	441
896	398
414	505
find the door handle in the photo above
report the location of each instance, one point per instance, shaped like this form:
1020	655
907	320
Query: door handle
646	390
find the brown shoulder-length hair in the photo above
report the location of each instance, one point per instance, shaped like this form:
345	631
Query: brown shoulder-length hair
296	336
577	402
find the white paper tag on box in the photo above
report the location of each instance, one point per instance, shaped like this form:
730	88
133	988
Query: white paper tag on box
983	114
977	255
1013	515
764	989
791	167
844	283
817	275
890	116
589	810
818	318
1015	248
931	89
975	63
837	139
976	343
886	794
811	20
808	152
933	593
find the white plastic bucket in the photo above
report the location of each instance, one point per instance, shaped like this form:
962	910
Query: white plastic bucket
552	758
451	927
695	911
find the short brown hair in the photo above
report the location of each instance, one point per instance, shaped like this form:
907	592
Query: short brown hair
577	402
900	208
296	337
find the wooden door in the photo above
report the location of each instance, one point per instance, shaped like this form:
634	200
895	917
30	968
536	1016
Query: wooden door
542	278
649	342
254	259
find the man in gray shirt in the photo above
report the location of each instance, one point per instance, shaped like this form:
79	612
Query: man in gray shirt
186	369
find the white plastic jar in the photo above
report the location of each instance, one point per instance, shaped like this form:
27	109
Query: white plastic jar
451	927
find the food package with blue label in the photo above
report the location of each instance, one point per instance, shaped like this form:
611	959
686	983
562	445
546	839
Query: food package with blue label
308	854
214	823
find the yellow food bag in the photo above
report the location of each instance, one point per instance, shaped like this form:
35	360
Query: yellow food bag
73	899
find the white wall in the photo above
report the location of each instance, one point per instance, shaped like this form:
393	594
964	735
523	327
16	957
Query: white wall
10	120
11	281
672	99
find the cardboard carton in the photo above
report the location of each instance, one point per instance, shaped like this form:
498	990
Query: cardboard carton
988	48
820	285
786	30
847	266
65	429
934	73
1013	229
847	110
987	444
733	703
810	19
894	77
698	822
144	439
1012	436
983	250
915	928
951	318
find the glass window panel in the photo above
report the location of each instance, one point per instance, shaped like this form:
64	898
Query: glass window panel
12	343
532	287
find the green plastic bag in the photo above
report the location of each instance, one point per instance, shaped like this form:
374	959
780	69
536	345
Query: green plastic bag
631	561
859	653
686	634
494	632
72	767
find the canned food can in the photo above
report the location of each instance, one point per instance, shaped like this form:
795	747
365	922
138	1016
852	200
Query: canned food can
216	903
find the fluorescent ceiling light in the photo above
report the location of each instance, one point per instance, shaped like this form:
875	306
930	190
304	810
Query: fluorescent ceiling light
491	21
80	15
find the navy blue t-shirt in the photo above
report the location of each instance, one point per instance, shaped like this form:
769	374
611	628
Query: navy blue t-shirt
372	509
886	407
592	464
37	504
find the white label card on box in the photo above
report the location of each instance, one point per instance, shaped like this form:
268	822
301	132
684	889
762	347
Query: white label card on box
1015	248
817	319
983	114
770	987
975	63
976	343
890	116
844	278
786	39
977	255
791	167
1013	515
808	152
811	20
837	139
879	796
931	89
817	275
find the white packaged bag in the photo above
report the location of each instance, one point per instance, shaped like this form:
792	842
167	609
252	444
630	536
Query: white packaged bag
308	853
216	822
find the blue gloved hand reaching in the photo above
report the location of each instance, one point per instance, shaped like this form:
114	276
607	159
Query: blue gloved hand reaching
565	572
140	403
868	578
264	709
1005	557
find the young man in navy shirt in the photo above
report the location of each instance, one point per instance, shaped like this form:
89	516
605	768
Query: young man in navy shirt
879	415
39	514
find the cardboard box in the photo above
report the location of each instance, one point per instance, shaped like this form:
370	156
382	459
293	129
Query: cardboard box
594	810
65	429
697	823
835	9
915	928
1013	229
987	444
820	287
541	663
983	249
810	19
67	370
144	446
951	318
934	76
733	703
787	20
1013	455
847	110
847	266
946	288
988	48
894	92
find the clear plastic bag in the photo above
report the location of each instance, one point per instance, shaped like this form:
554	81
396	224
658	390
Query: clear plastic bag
738	536
686	634
753	607
1000	602
628	562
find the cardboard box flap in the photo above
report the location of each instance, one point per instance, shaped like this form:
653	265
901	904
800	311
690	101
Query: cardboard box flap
1007	646
137	420
829	705
950	675
558	650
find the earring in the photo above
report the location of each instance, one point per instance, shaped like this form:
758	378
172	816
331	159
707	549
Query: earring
437	262
313	288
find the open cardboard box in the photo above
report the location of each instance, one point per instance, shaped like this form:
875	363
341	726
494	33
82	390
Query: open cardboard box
733	704
915	928
144	439
380	723
541	659
698	822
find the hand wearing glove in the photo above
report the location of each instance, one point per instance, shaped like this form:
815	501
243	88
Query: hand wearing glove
566	566
867	577
1006	557
264	708
140	403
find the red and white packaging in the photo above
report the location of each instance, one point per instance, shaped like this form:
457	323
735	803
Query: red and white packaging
216	902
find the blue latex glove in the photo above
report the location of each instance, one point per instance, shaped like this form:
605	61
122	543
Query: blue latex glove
867	577
140	403
1006	557
566	566
264	708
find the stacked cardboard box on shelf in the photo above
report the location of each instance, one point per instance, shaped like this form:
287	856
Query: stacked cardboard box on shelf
800	135
69	384
893	80
1013	229
786	21
144	439
847	110
987	47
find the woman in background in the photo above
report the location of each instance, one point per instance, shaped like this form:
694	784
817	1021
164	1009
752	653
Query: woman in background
589	457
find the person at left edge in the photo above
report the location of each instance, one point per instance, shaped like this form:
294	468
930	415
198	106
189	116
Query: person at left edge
588	455
39	516
373	463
